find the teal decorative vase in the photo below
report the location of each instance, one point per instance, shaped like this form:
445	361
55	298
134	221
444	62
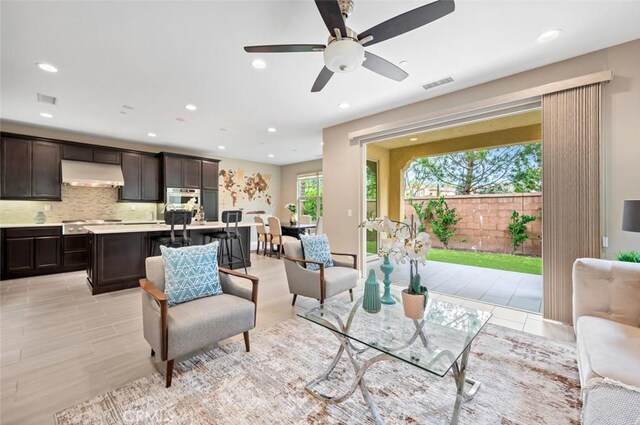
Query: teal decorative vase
386	267
371	299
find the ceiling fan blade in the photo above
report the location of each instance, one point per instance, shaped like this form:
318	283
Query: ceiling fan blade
408	21
332	16
383	67
322	80
285	48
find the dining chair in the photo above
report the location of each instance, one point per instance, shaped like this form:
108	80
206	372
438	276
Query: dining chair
263	235
276	236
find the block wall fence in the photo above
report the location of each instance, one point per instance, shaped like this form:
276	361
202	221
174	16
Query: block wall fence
485	221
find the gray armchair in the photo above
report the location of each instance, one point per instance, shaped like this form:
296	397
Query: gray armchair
187	327
319	284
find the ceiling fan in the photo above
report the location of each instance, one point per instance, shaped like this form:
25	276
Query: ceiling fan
345	52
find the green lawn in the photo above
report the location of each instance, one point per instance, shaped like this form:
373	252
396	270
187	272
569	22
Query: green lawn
514	263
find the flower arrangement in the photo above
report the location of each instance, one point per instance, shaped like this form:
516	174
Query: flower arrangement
404	243
291	207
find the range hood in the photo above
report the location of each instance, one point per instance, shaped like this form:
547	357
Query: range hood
89	174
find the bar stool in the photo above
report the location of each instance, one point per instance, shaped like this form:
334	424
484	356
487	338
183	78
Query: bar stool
228	235
263	235
173	218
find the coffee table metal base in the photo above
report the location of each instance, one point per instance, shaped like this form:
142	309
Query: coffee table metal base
458	371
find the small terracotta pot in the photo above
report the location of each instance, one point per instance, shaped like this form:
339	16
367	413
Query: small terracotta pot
413	305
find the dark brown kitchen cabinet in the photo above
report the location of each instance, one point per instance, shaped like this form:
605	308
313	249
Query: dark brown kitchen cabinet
141	177
191	173
172	171
31	251
30	169
16	168
132	173
210	203
77	153
106	156
74	252
48	252
209	175
151	178
46	179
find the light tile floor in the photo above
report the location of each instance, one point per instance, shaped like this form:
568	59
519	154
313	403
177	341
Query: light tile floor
59	345
521	291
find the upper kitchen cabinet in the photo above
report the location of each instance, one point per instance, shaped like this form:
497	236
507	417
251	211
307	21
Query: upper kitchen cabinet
209	175
30	169
90	154
182	172
141	177
46	180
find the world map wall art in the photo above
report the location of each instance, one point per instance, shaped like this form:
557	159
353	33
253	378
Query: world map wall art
238	186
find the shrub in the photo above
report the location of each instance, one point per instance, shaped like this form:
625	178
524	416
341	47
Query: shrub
440	217
518	229
629	256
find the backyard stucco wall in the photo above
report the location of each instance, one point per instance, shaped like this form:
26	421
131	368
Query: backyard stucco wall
485	221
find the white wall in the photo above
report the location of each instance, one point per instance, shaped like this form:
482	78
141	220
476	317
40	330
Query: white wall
620	139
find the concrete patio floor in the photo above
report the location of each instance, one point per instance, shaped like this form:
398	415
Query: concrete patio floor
510	289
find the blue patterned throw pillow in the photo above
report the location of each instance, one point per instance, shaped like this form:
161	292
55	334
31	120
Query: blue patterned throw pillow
191	272
316	248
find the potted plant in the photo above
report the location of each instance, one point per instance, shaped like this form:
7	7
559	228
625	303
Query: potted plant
404	244
293	209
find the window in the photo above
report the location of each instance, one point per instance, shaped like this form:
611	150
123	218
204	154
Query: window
310	195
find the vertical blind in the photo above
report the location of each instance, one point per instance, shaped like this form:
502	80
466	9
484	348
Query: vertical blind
571	191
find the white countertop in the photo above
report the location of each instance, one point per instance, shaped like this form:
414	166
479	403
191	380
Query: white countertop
141	228
55	224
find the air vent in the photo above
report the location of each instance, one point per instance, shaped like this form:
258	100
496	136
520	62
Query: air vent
47	99
437	83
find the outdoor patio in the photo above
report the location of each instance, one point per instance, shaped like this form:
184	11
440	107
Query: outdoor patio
510	289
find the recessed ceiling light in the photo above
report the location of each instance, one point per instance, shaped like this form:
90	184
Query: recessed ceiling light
222	147
343	105
413	139
46	115
271	130
151	134
271	155
549	35
190	107
403	64
258	64
47	67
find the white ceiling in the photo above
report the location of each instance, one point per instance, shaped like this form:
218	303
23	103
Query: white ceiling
158	56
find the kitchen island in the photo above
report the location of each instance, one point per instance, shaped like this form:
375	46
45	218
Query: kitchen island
116	253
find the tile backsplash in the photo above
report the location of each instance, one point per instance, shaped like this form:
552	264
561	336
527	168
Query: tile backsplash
77	203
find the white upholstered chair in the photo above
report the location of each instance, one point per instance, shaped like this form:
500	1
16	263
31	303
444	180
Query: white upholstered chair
305	219
187	327
319	284
277	238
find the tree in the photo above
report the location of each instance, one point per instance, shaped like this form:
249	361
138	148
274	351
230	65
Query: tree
498	170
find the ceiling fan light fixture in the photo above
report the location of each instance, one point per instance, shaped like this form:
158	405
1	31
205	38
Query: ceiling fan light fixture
343	55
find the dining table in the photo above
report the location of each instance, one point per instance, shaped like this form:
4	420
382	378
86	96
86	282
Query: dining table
295	230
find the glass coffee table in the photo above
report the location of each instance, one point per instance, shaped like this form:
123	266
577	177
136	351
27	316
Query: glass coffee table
438	343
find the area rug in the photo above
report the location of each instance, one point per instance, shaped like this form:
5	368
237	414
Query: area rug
525	380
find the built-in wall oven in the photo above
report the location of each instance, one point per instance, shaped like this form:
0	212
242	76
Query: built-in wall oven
179	197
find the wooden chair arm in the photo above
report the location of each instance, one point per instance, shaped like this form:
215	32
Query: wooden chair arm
254	287
162	300
355	257
150	289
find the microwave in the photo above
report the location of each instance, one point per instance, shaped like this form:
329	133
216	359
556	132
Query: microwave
178	197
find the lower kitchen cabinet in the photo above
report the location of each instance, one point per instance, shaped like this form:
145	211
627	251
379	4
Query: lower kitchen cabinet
31	251
75	252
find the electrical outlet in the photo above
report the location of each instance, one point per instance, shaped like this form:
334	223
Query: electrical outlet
349	213
47	207
132	207
605	242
